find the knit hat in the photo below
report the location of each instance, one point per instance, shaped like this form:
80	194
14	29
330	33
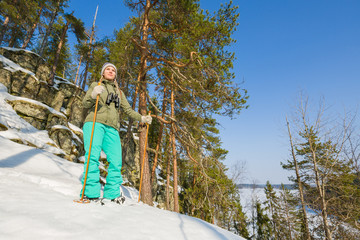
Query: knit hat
108	65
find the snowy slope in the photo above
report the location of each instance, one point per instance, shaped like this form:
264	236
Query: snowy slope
38	188
37	193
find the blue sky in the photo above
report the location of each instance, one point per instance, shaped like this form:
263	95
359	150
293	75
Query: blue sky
283	47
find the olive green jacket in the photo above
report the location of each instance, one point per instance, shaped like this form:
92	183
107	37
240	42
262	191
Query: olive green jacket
108	114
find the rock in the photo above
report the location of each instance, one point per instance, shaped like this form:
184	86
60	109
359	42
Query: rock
68	89
62	136
43	72
3	127
36	123
75	111
30	109
24	85
55	119
5	77
57	101
46	94
26	74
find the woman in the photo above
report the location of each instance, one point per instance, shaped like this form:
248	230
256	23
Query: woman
106	134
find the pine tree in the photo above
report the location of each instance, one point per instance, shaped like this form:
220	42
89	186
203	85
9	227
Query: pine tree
54	8
293	164
291	219
272	205
49	54
263	223
36	9
173	53
9	12
77	27
328	181
14	12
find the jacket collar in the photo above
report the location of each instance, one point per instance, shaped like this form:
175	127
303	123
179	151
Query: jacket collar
108	82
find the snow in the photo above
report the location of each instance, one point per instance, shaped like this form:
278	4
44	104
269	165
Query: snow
38	189
38	204
58	80
75	128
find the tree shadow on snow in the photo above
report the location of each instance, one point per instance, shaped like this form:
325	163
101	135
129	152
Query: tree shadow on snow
18	159
201	222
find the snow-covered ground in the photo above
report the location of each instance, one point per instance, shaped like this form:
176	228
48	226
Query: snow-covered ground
37	193
38	188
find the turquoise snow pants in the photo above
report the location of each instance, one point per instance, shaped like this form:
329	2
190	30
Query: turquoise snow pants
107	139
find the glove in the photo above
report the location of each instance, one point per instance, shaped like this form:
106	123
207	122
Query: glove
96	91
146	119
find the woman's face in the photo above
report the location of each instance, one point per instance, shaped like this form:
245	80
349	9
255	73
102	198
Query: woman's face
109	73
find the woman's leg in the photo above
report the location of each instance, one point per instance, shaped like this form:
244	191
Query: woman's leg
112	149
93	187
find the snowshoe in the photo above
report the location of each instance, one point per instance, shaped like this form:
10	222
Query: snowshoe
119	200
93	200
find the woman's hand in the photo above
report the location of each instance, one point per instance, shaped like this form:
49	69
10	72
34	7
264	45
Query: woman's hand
146	119
97	90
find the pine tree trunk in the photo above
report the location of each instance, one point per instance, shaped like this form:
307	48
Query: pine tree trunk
58	51
146	193
168	184
32	30
78	70
4	28
321	191
299	183
174	157
49	28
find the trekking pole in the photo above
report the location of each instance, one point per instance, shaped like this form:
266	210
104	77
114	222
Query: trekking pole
88	160
143	161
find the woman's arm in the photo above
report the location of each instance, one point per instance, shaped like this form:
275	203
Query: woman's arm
128	109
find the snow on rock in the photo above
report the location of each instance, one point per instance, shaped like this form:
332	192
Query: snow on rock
74	136
75	128
50	109
18	128
13	67
20	50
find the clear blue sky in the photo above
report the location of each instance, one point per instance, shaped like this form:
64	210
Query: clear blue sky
283	47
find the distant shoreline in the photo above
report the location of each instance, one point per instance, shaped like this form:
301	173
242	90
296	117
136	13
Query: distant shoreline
277	186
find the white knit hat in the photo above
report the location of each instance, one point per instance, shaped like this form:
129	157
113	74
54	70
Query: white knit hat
108	65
